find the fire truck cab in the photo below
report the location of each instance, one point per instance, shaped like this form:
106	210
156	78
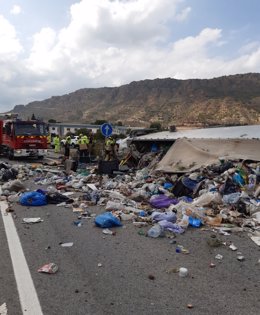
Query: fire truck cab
23	138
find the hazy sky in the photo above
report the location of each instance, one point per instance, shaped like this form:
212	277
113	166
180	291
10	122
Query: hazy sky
56	47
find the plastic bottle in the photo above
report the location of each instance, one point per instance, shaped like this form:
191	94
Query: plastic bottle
251	181
257	171
155	231
142	213
194	222
238	179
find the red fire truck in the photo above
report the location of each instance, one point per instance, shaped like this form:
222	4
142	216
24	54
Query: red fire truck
22	138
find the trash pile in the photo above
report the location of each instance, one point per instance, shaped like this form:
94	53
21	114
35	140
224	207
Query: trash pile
224	196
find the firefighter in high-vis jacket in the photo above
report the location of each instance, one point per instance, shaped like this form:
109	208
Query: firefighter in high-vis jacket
56	142
110	149
83	143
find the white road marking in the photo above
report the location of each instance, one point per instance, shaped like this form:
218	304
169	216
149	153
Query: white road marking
28	296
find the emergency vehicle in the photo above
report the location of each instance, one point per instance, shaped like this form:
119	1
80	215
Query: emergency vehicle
22	138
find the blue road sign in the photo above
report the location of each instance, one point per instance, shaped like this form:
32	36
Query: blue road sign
106	130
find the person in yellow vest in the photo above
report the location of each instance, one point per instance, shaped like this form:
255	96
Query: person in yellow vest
83	143
56	141
110	149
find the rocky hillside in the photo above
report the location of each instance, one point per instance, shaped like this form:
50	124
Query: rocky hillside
226	100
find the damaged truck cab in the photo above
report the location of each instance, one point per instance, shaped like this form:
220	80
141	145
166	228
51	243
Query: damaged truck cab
23	138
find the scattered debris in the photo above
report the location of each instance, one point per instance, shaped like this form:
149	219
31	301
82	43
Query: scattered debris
108	232
32	220
3	309
183	272
151	277
219	257
77	223
50	268
233	247
181	249
240	258
221	197
214	242
69	244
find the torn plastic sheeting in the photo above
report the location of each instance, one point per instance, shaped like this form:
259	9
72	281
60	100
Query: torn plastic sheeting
107	220
256	240
162	201
175	228
231	198
168	216
15	185
187	155
207	198
113	205
256	216
114	194
255	237
92	186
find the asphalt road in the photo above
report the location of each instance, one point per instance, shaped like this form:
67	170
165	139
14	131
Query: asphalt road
137	273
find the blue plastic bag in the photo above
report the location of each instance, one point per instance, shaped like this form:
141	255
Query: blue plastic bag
107	220
195	222
33	198
167	185
162	201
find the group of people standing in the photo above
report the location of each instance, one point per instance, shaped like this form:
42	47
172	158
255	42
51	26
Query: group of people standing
84	145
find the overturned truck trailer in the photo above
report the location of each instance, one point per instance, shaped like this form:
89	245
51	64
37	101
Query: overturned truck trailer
187	155
164	139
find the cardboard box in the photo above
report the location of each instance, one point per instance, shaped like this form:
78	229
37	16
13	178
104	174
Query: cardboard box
83	146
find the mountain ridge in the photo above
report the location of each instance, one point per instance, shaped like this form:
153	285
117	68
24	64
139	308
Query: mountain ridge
233	99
